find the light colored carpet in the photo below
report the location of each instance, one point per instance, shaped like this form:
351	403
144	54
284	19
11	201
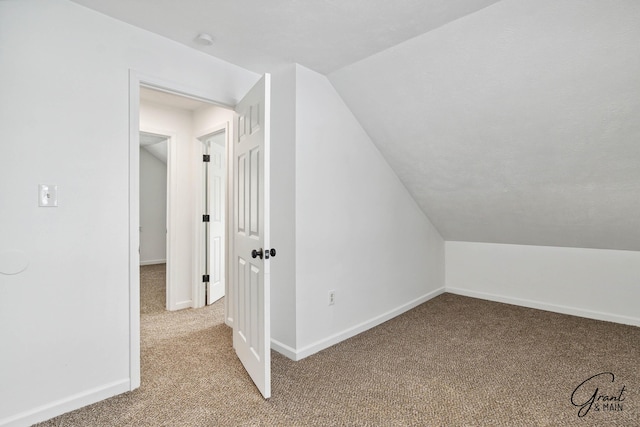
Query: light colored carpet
453	361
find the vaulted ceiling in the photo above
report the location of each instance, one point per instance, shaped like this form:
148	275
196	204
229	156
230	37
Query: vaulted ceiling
510	121
517	124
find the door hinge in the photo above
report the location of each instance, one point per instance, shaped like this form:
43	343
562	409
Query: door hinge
206	158
205	278
205	218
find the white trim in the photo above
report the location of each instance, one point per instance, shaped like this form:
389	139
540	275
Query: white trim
555	308
355	330
229	292
199	299
182	305
172	191
300	354
50	410
134	230
153	262
283	349
177	89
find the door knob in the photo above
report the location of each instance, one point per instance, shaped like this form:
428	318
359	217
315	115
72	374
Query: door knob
257	253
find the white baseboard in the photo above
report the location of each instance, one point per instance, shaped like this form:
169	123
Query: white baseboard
59	407
308	350
555	308
182	305
283	349
153	262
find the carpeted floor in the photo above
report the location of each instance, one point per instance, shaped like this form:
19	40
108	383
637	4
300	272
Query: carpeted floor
453	361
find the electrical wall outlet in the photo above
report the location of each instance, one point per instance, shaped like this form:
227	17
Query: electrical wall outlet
332	297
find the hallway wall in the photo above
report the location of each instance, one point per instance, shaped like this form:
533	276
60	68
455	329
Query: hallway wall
153	209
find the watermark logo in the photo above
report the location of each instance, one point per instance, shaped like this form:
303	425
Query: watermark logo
599	393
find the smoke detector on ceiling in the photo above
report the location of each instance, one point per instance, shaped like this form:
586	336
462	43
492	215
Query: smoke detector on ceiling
204	39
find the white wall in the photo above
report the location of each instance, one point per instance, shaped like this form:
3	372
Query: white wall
153	209
64	321
205	119
283	212
341	220
594	283
177	123
358	230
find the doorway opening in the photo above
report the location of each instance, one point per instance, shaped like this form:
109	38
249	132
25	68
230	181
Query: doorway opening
182	115
186	128
154	161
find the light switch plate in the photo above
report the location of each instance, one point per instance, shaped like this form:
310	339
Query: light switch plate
48	195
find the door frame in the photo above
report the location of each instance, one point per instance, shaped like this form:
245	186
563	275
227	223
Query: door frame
136	80
199	293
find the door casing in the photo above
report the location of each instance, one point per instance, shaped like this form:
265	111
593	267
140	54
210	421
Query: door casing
199	294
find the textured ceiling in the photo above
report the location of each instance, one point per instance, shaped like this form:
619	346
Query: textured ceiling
510	122
259	35
517	124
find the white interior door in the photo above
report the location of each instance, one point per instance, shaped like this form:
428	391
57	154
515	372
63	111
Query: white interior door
251	328
216	198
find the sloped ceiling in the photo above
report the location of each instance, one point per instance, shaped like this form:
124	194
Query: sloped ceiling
515	121
517	124
156	145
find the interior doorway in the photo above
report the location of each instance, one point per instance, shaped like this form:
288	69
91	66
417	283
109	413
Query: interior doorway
196	263
154	196
249	186
214	208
